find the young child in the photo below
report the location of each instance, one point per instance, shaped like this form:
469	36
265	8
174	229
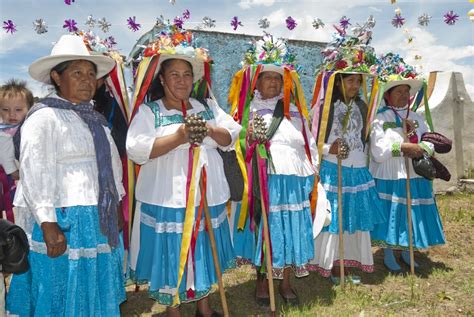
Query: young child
15	101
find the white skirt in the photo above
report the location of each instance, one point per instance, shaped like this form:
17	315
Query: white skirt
357	252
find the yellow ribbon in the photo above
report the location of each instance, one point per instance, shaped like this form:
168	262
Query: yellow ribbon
188	223
234	91
300	95
141	72
244	202
325	115
372	105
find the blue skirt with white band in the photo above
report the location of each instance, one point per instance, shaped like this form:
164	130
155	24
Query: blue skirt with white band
161	230
86	280
361	206
290	226
427	227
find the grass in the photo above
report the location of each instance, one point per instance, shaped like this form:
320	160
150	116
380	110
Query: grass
444	286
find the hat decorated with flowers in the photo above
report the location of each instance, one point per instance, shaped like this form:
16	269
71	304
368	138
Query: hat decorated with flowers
272	53
350	53
393	71
167	41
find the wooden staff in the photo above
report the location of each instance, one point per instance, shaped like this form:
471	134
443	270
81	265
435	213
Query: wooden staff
268	256
210	231
339	212
409	221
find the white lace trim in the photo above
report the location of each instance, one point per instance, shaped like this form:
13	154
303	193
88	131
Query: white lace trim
73	254
177	227
401	200
267	103
290	207
350	189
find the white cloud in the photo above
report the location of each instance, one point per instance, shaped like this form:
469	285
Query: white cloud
247	4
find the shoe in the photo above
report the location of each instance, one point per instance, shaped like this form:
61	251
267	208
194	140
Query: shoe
214	314
390	262
406	259
290	301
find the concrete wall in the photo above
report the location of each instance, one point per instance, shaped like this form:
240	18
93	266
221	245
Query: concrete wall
227	51
453	116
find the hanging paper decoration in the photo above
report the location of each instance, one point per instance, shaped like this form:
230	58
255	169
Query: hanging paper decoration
264	23
186	14
393	1
132	24
70	25
344	22
235	23
178	21
90	22
104	25
364	31
398	20
9	26
208	22
40	26
290	23
424	19
318	23
418	57
470	14
68	2
172	2
450	18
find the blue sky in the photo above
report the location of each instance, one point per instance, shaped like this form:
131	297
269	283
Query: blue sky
442	47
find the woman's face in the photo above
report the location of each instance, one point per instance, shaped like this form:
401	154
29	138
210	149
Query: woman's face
398	96
77	83
177	79
351	85
269	84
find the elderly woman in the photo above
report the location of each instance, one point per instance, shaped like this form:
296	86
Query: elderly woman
389	149
70	181
159	140
291	175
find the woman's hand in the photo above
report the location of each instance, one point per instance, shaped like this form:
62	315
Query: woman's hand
183	133
412	150
220	135
54	239
250	133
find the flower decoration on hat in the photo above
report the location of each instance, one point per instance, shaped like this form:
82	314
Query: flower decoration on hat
208	22
168	42
398	21
350	53
90	22
318	23
270	50
390	66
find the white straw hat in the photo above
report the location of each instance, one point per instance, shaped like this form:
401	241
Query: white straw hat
69	48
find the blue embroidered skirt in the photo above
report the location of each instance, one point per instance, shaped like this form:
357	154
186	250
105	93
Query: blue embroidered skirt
85	281
427	227
160	244
290	225
361	206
